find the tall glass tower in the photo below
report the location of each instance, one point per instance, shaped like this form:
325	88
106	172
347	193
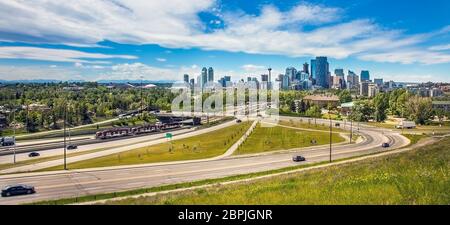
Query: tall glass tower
322	72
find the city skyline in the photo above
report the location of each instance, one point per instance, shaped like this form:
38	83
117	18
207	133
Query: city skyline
237	39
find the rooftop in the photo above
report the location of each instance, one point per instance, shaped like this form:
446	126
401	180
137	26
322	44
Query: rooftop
322	98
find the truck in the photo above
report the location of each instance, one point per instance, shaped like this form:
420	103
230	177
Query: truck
7	141
406	124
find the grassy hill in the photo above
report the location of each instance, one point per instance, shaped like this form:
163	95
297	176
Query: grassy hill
420	176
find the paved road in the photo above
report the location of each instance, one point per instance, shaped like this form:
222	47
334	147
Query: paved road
112	148
62	184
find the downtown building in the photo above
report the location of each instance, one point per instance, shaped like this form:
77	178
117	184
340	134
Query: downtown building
320	72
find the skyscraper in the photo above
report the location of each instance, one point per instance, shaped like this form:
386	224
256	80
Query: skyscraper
365	76
339	72
306	68
186	78
291	73
378	81
210	74
322	72
264	77
313	70
352	80
204	77
192	82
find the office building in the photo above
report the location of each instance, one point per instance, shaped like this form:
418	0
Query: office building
365	76
322	72
204	77
372	90
339	72
210	74
378	81
291	73
364	88
313	71
264	78
352	80
305	68
186	78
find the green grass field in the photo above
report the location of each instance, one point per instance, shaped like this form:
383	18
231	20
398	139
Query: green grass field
305	124
420	176
202	146
418	129
264	139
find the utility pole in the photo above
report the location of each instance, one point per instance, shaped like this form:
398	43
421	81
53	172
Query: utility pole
14	134
142	98
331	134
351	130
65	146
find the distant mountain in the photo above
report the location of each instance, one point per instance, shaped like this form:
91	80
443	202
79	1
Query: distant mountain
135	81
38	81
42	81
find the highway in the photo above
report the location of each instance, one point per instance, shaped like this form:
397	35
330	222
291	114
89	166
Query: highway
63	184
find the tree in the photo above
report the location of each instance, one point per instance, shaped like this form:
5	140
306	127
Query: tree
345	96
440	113
362	111
381	104
419	109
314	111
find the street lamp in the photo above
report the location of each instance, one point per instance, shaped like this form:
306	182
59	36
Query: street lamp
65	145
331	130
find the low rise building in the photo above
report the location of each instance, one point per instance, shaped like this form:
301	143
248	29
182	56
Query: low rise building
322	100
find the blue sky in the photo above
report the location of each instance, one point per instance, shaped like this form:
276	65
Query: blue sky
163	39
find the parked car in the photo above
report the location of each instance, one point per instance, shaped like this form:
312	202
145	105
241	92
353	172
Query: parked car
337	124
17	190
34	154
298	158
385	145
71	147
238	121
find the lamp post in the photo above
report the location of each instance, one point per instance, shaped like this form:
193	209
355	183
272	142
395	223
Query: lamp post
14	135
142	98
65	146
331	130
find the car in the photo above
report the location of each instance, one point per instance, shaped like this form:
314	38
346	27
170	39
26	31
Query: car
34	154
19	189
70	147
337	124
238	121
385	145
298	158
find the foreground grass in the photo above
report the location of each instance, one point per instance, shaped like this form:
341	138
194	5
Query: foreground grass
201	146
419	176
264	139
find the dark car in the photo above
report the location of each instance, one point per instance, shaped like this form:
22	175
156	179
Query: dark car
34	154
385	145
71	147
238	121
17	190
298	158
337	124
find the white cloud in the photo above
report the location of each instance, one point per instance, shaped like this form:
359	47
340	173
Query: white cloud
37	72
408	57
176	24
253	68
161	59
439	47
56	55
